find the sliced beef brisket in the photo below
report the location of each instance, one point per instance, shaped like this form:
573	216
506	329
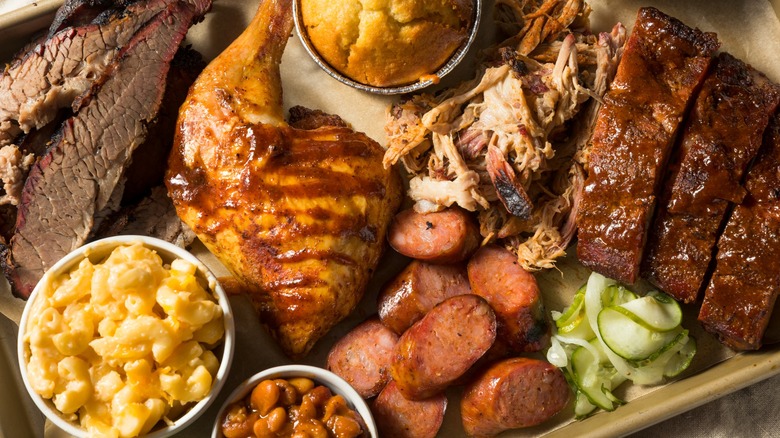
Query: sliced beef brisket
723	134
149	160
153	216
61	68
74	13
663	65
79	173
741	294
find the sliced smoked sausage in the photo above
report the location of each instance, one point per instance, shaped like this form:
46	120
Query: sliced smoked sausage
399	417
513	293
442	346
447	236
513	393
363	357
416	290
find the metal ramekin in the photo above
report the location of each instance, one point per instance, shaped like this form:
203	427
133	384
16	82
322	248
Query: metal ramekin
454	60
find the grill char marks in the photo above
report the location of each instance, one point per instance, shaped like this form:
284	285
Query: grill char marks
722	135
663	65
312	207
743	289
78	174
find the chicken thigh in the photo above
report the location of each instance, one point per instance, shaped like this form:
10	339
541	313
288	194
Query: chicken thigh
297	212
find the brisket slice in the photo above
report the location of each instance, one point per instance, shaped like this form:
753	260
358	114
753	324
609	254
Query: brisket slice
150	159
78	175
80	12
741	294
7	222
55	72
153	216
663	65
723	134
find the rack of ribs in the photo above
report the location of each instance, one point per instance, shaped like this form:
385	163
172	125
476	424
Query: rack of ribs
663	65
741	294
722	135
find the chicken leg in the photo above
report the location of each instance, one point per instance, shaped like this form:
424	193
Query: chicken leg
297	212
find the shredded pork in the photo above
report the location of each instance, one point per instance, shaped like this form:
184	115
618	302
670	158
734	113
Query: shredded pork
512	143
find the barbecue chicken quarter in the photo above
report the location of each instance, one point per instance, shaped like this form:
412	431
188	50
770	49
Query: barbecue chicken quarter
298	212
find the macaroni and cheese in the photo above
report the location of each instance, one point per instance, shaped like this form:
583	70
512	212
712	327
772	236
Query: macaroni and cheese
123	344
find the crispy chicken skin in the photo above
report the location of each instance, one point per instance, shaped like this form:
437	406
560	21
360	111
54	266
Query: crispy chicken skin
299	216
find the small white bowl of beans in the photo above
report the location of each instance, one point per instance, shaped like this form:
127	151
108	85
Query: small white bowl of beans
295	400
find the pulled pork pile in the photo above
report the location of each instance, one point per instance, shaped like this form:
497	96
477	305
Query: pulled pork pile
512	144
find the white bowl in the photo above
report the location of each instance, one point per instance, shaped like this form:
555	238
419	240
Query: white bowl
320	376
97	251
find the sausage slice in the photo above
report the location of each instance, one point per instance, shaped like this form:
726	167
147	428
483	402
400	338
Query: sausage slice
513	393
447	236
363	357
513	293
442	346
399	417
416	290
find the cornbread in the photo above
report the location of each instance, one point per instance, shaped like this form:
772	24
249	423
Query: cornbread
386	42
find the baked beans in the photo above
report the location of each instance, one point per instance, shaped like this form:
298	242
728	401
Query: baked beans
296	408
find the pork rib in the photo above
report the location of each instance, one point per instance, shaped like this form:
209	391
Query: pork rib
663	64
722	135
739	299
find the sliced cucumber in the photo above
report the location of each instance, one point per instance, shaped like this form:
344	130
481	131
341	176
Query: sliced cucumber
573	321
595	377
609	335
582	406
572	314
627	337
653	371
681	359
615	295
655	311
588	379
597	283
557	354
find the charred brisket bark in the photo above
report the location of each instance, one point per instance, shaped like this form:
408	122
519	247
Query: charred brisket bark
75	13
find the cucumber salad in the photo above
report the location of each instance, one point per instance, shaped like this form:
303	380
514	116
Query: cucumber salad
609	335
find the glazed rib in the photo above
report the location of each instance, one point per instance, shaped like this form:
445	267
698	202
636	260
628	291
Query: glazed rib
742	292
663	65
722	135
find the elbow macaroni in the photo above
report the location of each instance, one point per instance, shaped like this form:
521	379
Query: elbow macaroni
120	345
